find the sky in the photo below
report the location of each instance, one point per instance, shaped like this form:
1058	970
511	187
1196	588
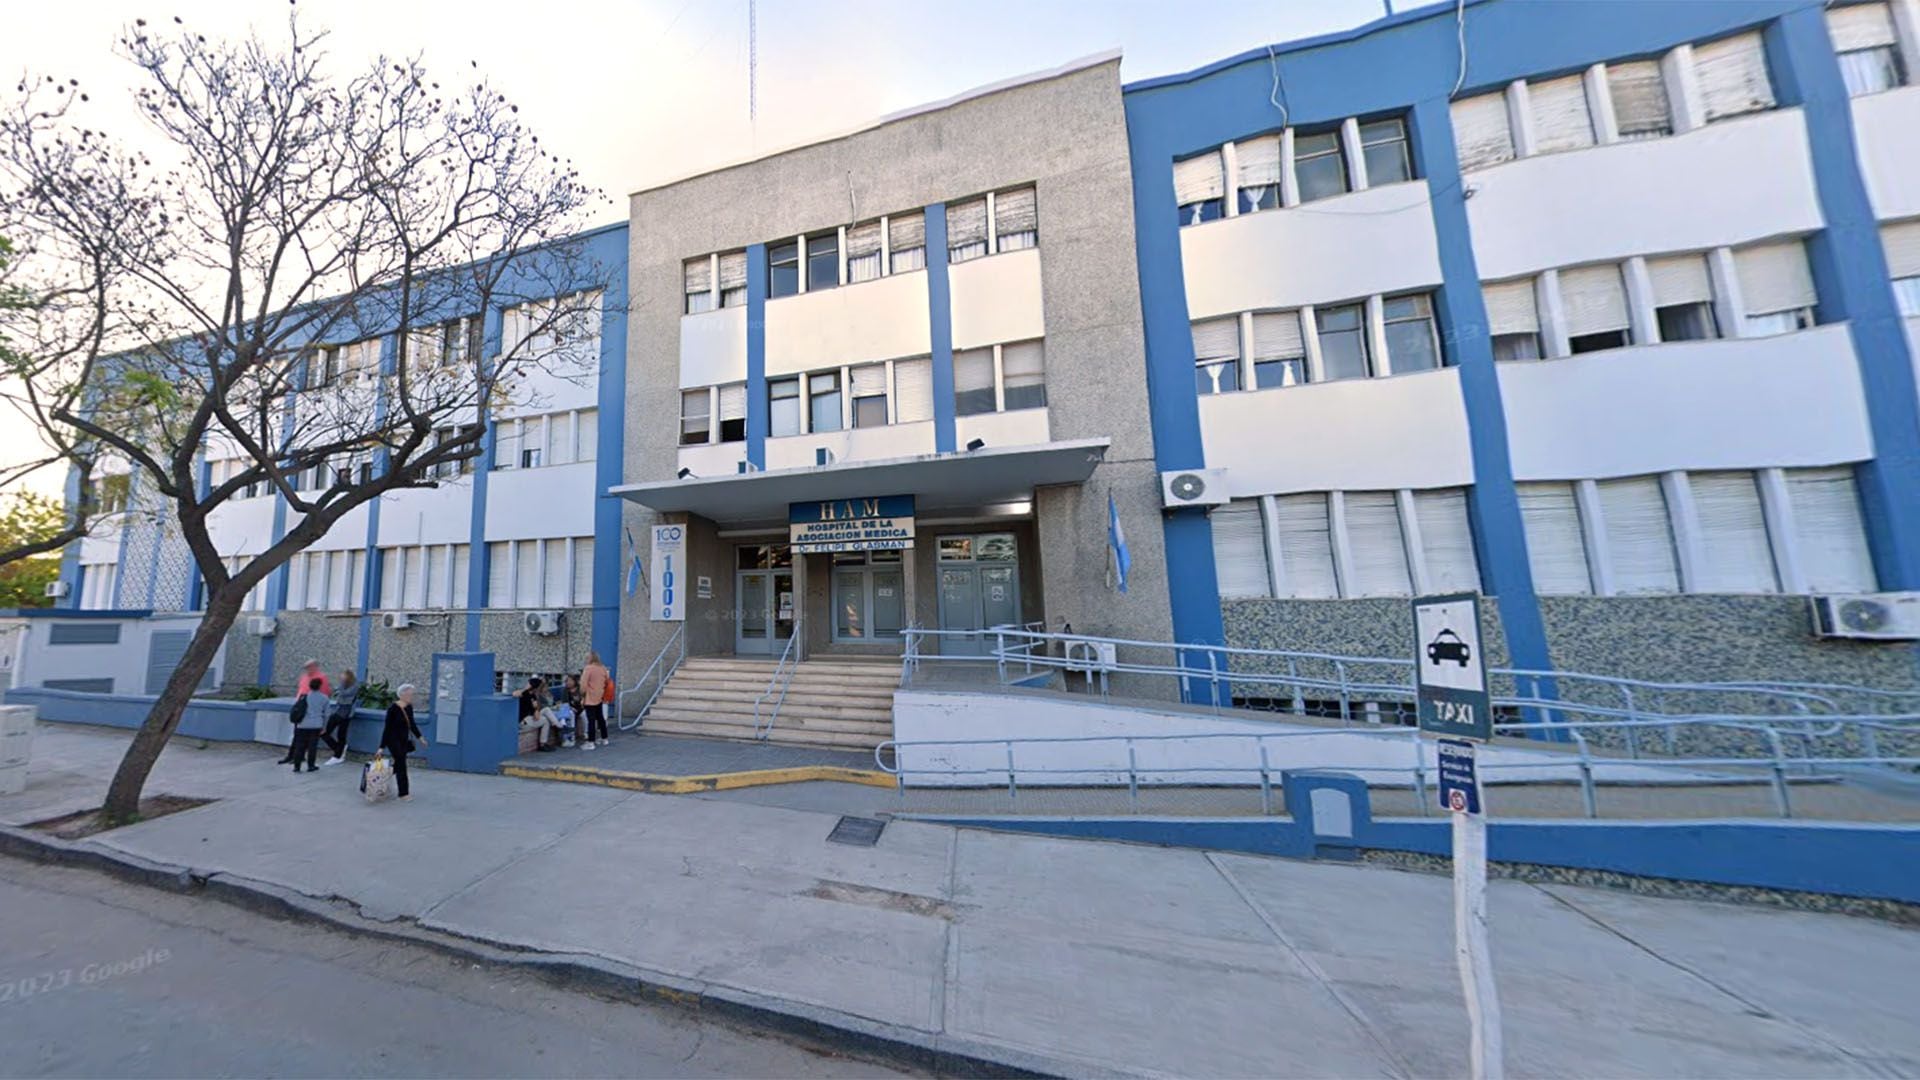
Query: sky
641	92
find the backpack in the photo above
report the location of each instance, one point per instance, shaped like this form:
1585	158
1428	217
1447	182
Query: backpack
299	710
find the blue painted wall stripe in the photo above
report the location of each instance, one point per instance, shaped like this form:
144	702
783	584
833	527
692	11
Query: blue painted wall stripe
478	555
371	583
757	355
203	482
610	457
940	323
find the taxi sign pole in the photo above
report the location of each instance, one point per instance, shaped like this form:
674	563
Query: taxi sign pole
1453	703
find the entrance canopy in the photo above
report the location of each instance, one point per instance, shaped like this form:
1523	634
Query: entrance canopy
959	481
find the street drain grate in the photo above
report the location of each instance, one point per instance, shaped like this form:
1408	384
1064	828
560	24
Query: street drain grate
858	831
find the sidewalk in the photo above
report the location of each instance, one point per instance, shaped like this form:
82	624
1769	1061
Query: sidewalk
1078	957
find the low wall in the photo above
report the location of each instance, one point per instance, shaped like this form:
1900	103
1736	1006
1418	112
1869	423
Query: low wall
263	721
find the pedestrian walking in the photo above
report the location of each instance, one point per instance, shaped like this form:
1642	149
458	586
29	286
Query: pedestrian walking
301	683
399	735
340	717
596	683
309	717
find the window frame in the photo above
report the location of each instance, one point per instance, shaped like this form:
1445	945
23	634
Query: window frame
790	263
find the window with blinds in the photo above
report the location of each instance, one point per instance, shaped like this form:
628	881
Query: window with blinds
1513	319
1199	187
967	230
913	390
1594	299
500	574
1446	540
556	578
1902	243
699	285
1829	531
357	575
696	420
1376	545
1023	377
1732	74
1259	163
1556	548
462	566
867	385
413	591
1561	118
1868	46
733	279
1639	535
1306	547
1639	93
1216	353
731	411
1736	556
1016	220
526	573
391	572
583	572
439	581
973	382
1482	134
586	435
1279	349
907	242
1682	297
1240	550
340	581
1776	287
316	581
863	252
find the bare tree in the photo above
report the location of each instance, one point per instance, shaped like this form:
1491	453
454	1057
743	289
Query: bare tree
225	302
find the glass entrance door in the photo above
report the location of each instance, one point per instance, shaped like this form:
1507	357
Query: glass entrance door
763	612
869	598
979	589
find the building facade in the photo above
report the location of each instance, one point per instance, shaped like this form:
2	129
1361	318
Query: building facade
1609	312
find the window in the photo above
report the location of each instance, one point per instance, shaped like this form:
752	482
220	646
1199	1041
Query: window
1561	119
1376	545
912	390
1412	343
1446	540
1640	109
1482	133
907	242
392	571
112	493
1016	220
1279	352
1200	188
582	573
462	566
439	586
1776	286
823	401
526	573
1868	47
1216	355
1735	554
1595	301
696	425
1259	163
1383	145
783	406
1023	375
533	441
868	384
1639	538
1306	547
1556	548
586	434
500	574
783	269
973	382
733	279
1240	549
556	580
699	285
733	412
1902	244
823	261
966	230
1732	73
1343	341
1513	320
1828	530
1683	298
1319	167
863	252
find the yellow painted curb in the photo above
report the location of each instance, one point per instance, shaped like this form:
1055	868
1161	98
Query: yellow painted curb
682	785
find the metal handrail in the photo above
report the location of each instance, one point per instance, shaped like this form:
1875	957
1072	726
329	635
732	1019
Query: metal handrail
782	676
620	703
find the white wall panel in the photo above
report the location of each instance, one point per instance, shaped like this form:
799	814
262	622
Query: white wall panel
1794	399
241	526
536	503
713	347
853	444
713	459
1409	431
347	533
874	320
1885	126
1727	184
1355	245
1021	427
442	515
996	300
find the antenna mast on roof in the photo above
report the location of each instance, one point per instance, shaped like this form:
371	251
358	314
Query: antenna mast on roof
753	61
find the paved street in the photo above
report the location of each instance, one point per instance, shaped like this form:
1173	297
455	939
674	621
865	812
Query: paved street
131	982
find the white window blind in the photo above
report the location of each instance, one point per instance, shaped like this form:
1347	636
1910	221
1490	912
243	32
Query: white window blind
1861	26
413	593
733	270
1259	162
1379	549
1732	73
973	371
1481	132
587	435
1306	547
967	223
1511	308
1446	538
316	580
699	275
1680	279
1639	99
357	574
869	380
1198	179
863	252
558	581
500	574
297	582
462	565
340	580
1561	120
1639	535
559	439
1023	374
390	577
1902	242
439	585
1829	531
526	573
913	390
1774	277
1240	549
733	401
1216	339
905	232
1276	335
1014	213
583	572
1595	300
1735	554
1556	550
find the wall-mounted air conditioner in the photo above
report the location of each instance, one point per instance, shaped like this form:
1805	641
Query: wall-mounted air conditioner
262	625
58	590
1090	656
1193	487
1872	617
543	623
396	620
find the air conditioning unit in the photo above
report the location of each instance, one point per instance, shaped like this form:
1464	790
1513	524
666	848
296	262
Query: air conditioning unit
543	623
58	590
262	625
1090	656
1873	617
1193	487
396	620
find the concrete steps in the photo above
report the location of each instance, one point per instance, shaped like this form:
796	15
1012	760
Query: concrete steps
840	702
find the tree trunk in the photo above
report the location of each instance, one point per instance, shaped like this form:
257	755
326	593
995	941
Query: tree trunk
123	795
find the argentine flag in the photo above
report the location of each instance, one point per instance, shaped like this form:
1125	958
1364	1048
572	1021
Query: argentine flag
633	565
1117	539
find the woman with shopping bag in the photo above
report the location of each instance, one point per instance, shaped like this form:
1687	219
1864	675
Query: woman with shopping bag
398	738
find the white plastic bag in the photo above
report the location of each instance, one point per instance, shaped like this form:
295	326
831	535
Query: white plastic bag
376	779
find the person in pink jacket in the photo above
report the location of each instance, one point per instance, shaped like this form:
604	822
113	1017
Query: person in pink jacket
596	685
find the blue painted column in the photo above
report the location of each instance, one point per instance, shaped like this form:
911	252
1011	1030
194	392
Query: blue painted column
370	585
610	466
277	581
757	355
195	582
477	551
1851	274
1500	536
940	323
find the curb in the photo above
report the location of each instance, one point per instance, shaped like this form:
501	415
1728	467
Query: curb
927	1051
657	784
